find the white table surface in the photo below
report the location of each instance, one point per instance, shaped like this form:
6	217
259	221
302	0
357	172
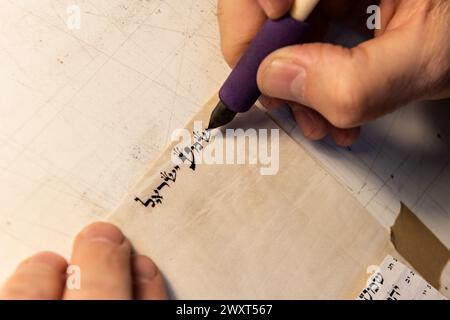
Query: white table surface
83	112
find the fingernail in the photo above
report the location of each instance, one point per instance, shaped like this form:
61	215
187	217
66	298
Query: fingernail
144	269
285	79
103	232
306	120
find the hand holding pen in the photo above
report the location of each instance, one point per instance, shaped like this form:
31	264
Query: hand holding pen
334	90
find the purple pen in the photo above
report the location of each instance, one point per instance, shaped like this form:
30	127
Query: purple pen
240	91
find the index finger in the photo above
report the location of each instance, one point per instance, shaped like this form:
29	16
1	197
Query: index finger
239	22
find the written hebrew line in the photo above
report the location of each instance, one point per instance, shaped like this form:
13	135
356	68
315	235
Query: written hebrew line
187	156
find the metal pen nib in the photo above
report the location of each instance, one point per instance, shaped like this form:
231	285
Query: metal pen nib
220	116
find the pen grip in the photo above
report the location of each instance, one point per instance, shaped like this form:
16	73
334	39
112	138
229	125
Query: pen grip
240	91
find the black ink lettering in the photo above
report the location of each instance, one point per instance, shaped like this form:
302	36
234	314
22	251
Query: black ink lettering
394	294
186	155
162	186
169	176
205	136
378	278
157	197
365	295
198	146
147	203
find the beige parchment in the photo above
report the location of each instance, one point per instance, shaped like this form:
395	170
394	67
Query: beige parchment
228	232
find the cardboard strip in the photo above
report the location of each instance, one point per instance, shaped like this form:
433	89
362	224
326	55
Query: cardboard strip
419	246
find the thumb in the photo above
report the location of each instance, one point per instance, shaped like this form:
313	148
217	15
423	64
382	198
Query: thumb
349	87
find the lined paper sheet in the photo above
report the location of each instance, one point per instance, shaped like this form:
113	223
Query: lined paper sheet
403	157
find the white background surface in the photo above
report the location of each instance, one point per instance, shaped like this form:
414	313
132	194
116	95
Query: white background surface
84	112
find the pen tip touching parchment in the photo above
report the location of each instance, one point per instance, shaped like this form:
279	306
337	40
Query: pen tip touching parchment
220	116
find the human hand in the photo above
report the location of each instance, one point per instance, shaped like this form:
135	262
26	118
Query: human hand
334	90
107	271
